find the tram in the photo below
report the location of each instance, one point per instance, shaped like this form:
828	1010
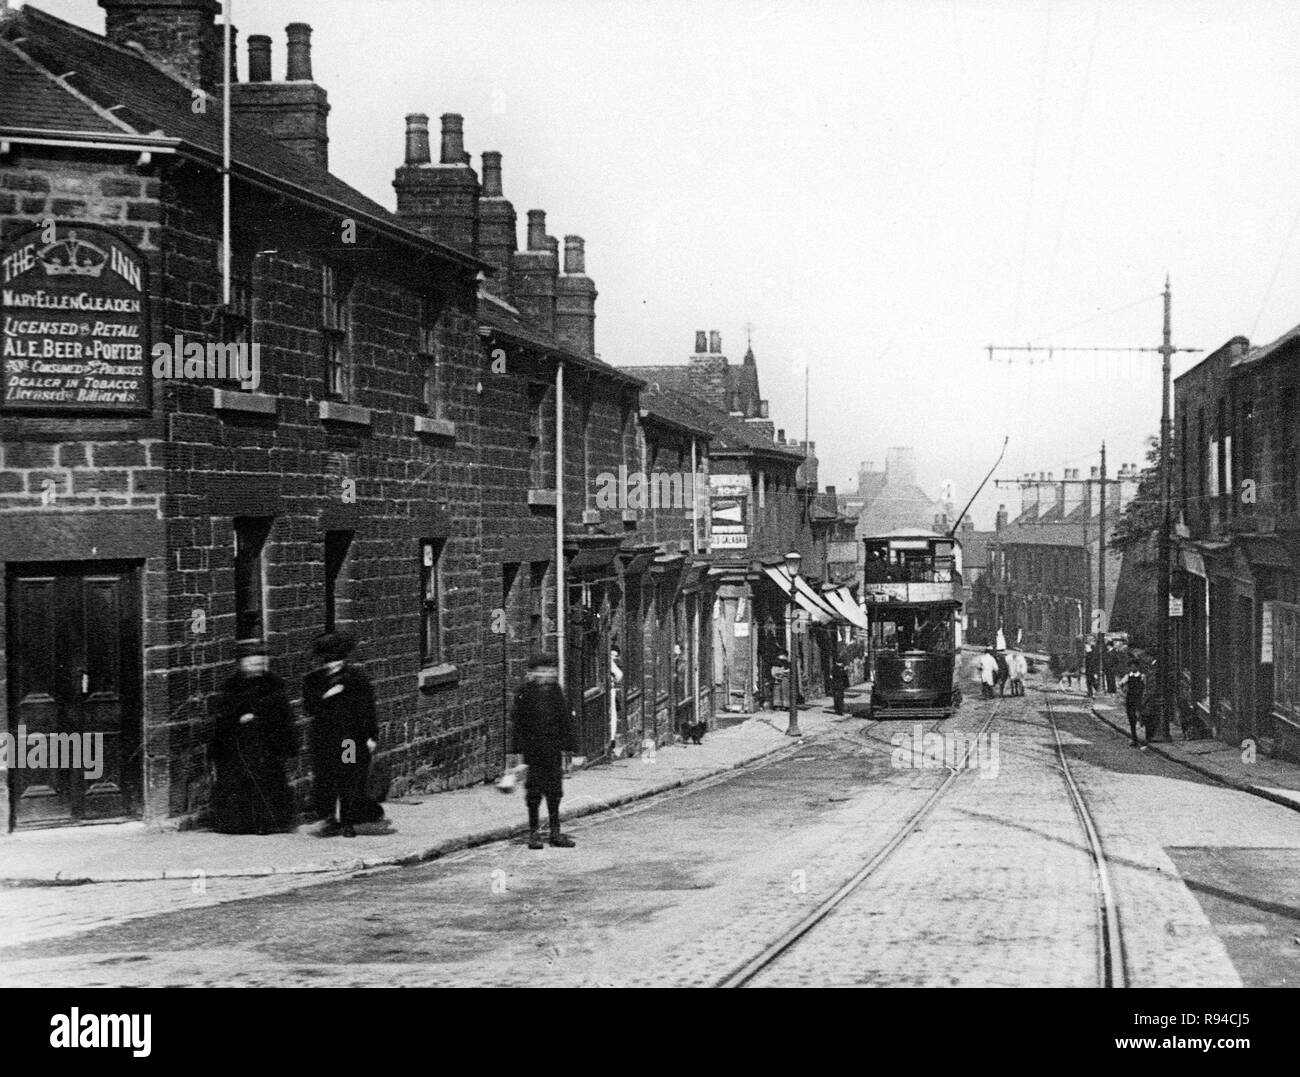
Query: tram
912	594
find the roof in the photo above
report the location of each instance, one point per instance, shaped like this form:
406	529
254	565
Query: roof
730	435
671	409
59	78
1267	351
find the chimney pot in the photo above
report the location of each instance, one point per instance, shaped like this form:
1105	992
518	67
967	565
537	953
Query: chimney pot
762	409
299	64
701	342
491	174
259	58
575	258
780	437
553	245
417	138
537	229
715	342
453	139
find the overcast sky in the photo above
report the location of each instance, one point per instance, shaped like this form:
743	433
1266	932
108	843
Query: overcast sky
882	189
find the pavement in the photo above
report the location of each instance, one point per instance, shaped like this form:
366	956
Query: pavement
1237	767
416	829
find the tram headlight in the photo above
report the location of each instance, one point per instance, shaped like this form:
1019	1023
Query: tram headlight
909	675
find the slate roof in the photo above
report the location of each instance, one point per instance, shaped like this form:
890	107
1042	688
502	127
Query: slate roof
58	77
730	435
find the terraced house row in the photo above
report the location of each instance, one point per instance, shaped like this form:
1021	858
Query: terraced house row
423	456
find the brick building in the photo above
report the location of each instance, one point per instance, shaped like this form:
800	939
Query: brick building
393	471
1040	582
1237	485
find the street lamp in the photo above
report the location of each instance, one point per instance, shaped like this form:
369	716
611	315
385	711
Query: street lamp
792	560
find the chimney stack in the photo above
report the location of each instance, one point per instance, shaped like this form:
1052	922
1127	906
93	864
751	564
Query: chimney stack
299	63
181	35
534	273
259	58
441	200
1000	521
575	300
453	139
496	227
294	113
417	138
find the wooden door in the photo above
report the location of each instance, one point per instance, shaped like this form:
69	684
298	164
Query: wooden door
74	683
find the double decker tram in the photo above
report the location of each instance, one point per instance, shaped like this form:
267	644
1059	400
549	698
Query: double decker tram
912	594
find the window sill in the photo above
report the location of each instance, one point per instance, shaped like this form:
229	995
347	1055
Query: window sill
246	403
438	676
439	428
542	497
335	411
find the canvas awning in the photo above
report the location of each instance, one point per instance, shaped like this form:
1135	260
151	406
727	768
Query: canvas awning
804	596
842	601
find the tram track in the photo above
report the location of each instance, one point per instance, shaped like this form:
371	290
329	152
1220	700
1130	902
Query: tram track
1111	965
743	974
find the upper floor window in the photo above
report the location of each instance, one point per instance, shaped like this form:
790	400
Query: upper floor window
336	327
430	351
536	435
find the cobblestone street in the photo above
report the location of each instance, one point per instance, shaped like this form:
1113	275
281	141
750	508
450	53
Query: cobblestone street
995	886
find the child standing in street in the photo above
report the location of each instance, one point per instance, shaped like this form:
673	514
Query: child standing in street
1134	685
543	728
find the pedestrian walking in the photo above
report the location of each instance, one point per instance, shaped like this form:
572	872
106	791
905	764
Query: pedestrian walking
1134	685
1110	666
345	731
1091	665
988	670
253	738
615	683
543	731
780	674
839	678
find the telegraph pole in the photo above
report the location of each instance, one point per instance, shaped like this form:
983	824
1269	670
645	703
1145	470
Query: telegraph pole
1164	630
1103	623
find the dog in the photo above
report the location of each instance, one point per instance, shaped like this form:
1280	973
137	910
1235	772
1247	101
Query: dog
694	732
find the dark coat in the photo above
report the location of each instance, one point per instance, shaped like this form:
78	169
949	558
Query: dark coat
251	793
342	708
544	731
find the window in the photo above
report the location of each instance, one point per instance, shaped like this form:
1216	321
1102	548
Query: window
1290	445
336	327
537	606
336	553
536	436
250	576
237	318
1246	452
431	602
430	347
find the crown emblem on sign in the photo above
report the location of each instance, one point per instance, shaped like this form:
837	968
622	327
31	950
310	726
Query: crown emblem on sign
73	257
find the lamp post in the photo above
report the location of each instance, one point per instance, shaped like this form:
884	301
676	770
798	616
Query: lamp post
792	560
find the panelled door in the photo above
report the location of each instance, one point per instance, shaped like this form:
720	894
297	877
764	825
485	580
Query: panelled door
74	683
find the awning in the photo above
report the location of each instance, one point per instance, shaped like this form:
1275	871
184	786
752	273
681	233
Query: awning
842	601
818	611
1264	552
1193	562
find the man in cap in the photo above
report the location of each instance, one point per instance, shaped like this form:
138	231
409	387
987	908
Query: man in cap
543	726
341	702
253	738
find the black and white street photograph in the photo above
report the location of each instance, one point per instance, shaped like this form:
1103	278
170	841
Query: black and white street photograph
651	494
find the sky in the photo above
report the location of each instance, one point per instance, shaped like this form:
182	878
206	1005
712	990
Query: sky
880	189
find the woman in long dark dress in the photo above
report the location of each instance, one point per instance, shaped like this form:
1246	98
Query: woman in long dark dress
254	737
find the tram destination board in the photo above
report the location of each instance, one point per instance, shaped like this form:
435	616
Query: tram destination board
74	320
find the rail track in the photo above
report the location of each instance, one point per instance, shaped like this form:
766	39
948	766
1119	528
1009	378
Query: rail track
770	954
1111	968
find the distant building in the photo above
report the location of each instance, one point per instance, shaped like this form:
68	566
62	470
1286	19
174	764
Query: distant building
886	501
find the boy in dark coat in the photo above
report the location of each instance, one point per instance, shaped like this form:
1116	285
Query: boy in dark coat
341	702
1135	686
543	726
254	736
839	679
